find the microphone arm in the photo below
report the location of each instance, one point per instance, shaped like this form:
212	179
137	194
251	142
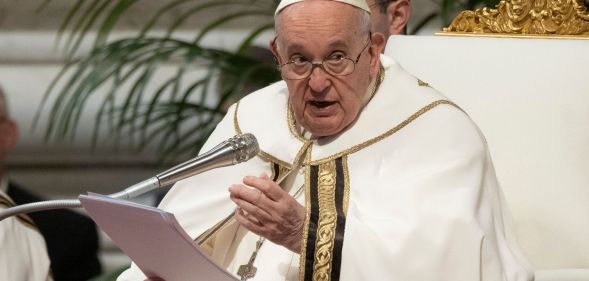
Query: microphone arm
235	150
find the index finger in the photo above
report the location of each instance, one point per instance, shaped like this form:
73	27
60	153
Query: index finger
265	185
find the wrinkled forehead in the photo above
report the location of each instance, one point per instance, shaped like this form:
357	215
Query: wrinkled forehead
322	23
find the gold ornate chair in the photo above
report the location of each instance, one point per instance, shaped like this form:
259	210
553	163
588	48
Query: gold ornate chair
520	71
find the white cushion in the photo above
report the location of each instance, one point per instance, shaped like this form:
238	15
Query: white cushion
530	97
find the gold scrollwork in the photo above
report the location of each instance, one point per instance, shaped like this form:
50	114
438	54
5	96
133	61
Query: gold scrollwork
525	17
327	222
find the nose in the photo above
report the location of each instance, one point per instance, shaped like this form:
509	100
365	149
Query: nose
319	79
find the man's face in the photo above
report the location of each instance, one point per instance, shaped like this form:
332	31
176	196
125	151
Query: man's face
324	104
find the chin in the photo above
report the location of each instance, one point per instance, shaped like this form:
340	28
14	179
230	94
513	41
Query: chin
324	131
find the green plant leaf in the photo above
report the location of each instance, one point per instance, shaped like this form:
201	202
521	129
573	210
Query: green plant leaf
179	114
111	19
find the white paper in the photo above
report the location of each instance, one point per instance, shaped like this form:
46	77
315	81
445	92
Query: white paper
153	239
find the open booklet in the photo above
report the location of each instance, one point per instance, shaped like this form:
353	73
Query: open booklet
153	239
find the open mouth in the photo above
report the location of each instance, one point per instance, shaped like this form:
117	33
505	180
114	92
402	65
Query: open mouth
321	104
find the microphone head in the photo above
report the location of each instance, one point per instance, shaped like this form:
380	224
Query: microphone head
245	147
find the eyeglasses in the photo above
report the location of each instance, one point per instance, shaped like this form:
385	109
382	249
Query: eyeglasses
335	64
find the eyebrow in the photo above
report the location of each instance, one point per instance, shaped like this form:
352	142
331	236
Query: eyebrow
334	44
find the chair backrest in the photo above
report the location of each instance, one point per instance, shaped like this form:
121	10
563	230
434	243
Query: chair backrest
530	97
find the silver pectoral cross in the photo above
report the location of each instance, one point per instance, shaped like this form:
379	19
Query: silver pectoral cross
248	270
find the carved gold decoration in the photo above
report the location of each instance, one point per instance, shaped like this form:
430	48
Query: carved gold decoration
525	17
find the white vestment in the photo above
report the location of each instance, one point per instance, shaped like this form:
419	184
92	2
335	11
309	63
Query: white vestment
408	192
23	253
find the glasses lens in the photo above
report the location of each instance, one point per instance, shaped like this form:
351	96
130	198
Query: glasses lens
343	66
297	71
339	67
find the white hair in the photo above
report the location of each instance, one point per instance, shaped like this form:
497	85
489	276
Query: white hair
365	22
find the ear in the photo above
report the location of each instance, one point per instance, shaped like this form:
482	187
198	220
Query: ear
8	135
274	48
398	13
376	48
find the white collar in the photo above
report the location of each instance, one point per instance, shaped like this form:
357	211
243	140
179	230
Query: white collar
399	96
4	184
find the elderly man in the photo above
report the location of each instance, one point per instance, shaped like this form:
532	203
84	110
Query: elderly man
71	238
23	254
389	17
365	172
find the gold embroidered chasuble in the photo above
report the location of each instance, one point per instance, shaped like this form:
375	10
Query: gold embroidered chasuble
327	191
406	193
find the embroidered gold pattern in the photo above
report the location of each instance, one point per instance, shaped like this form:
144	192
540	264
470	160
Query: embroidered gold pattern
346	184
327	222
388	133
325	233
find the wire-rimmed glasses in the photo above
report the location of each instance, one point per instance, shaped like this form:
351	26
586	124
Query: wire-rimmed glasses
336	64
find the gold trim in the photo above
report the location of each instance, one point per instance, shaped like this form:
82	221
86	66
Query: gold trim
421	83
346	184
388	133
513	36
306	146
235	120
269	158
291	123
326	224
376	85
282	171
526	18
214	230
262	154
7	202
303	251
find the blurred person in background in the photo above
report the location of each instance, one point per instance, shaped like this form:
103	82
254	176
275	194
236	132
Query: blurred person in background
389	17
23	254
72	238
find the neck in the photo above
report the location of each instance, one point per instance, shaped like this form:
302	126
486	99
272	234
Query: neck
374	85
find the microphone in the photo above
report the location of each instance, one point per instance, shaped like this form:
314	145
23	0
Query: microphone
237	149
230	152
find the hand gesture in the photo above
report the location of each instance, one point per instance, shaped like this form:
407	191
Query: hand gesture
265	209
